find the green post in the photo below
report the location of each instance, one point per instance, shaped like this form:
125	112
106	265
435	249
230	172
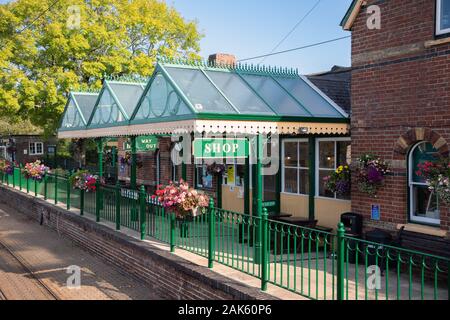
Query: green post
219	190
81	202
100	148
340	261
13	175
142	210
45	186
97	200
28	184
35	187
113	156
247	181
265	248
172	230
118	198
211	236
183	171
312	177
134	215
258	189
68	191
56	188
20	177
133	163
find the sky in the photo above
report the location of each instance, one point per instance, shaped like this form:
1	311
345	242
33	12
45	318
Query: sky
248	28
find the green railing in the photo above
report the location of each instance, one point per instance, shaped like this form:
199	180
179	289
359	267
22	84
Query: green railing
310	262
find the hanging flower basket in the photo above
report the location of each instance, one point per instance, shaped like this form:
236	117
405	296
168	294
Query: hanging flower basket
126	160
370	174
437	176
83	180
35	170
215	169
339	181
6	167
178	197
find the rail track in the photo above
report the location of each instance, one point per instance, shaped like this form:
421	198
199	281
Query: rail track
4	249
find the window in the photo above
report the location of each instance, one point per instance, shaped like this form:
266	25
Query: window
203	178
442	17
424	204
295	166
330	154
234	174
36	148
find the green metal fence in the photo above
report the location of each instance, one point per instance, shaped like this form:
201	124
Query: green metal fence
310	262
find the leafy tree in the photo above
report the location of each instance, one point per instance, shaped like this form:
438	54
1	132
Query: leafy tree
44	54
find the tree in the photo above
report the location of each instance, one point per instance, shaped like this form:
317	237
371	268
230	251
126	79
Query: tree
46	53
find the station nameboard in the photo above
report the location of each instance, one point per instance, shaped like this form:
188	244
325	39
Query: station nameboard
219	148
143	143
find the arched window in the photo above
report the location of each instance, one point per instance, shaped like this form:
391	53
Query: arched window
423	203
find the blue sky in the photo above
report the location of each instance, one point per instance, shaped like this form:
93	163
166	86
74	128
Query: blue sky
249	28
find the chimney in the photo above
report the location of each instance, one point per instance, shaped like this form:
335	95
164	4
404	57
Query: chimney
223	59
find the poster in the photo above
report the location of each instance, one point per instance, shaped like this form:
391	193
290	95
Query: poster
230	174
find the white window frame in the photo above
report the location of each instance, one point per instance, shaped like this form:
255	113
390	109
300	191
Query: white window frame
283	166
317	167
440	31
35	144
411	185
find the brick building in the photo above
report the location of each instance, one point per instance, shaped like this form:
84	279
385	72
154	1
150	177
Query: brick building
27	148
401	105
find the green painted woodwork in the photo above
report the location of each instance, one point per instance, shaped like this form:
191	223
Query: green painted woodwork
312	177
144	143
219	148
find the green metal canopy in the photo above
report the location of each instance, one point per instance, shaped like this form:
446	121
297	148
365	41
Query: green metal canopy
78	110
182	94
196	91
116	102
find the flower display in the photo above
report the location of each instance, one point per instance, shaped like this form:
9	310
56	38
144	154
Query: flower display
181	199
6	167
35	170
126	160
437	176
339	181
370	173
83	180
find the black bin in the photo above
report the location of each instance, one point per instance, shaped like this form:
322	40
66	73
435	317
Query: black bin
380	238
353	223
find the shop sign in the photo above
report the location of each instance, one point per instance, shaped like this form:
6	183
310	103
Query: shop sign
220	148
143	143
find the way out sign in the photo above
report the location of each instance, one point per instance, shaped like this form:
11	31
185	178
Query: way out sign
219	148
143	143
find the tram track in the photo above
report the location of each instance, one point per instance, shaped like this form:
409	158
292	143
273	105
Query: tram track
46	291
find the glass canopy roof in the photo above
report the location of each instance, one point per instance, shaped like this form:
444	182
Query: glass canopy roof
78	110
116	103
198	91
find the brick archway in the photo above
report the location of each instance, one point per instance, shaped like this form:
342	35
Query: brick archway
414	135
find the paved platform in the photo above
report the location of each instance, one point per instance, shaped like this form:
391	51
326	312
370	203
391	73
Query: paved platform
48	255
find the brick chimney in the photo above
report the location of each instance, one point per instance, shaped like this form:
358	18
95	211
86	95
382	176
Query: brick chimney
222	59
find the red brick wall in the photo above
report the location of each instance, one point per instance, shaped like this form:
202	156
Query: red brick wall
399	84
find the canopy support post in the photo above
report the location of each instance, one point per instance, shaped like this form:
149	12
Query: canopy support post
258	189
312	177
247	180
100	157
133	163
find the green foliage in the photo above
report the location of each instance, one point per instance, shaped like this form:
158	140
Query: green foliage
41	63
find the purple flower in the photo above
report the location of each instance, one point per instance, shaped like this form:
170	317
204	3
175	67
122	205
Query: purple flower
373	175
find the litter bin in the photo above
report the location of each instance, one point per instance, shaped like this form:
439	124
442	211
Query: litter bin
353	223
379	238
